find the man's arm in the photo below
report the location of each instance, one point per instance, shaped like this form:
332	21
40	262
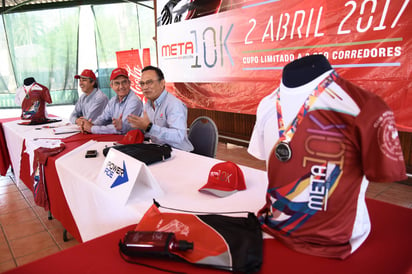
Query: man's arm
76	113
97	106
171	128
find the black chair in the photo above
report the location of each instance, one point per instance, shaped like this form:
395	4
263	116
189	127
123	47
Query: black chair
204	136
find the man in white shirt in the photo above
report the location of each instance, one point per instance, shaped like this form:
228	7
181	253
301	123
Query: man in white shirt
164	119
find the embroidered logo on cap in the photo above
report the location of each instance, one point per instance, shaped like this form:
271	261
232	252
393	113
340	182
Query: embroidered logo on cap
224	179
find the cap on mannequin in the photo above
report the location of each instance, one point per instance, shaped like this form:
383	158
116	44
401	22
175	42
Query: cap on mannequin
28	81
303	70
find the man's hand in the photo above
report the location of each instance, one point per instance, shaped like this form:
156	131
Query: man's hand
118	123
139	122
86	126
79	121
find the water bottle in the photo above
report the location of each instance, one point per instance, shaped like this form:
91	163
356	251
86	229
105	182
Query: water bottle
152	243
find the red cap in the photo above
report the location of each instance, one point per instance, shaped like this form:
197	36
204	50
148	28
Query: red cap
134	136
117	72
87	73
224	179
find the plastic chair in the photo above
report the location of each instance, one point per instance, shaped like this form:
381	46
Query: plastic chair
204	136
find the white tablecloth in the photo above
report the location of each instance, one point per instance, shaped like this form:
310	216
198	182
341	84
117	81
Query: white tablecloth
96	212
15	135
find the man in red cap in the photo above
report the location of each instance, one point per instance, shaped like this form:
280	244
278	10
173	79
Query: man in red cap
113	120
92	102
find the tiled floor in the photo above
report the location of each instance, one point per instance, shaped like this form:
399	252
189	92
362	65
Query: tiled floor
27	234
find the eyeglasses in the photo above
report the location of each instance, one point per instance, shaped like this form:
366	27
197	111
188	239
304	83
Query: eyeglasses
147	83
117	83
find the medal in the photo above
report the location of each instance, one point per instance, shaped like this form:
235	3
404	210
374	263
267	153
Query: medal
283	152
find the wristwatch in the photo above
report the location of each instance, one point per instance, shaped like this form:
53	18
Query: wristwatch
149	126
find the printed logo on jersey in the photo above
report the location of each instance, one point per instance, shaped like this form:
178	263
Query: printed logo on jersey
388	139
292	205
295	203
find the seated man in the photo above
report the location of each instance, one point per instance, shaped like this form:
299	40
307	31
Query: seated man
92	102
113	120
164	119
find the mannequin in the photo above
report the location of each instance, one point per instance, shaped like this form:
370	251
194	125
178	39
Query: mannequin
318	177
299	79
33	103
22	90
304	70
29	81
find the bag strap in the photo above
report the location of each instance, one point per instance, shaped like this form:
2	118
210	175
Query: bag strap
197	212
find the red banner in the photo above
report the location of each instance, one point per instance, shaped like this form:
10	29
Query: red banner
132	62
227	55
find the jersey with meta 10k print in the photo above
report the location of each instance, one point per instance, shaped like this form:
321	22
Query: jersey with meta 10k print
34	103
316	200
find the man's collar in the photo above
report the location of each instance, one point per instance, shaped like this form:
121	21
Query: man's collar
159	99
93	90
124	98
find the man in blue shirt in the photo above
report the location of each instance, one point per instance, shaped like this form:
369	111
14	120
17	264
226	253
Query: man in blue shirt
164	118
92	102
113	120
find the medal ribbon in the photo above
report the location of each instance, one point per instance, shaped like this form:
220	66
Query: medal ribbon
287	134
28	92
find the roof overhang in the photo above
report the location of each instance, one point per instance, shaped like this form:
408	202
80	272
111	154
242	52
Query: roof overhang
13	6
